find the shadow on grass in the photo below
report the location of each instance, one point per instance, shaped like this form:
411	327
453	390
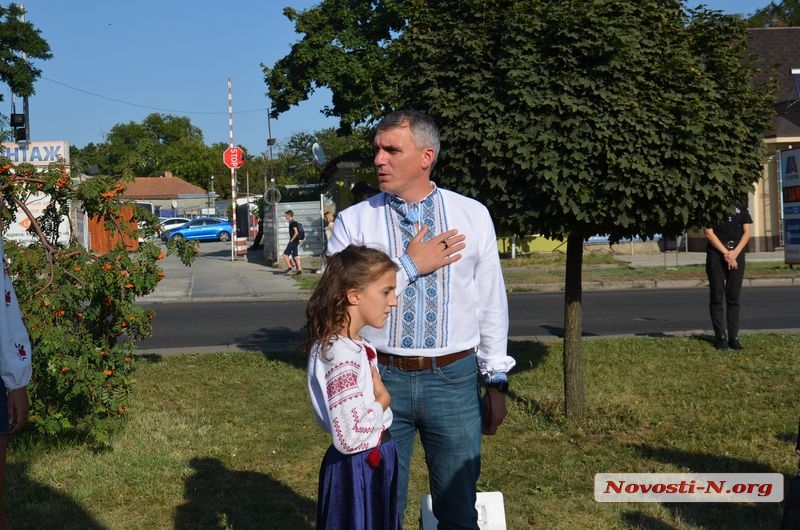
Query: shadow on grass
707	514
528	354
217	497
34	506
277	338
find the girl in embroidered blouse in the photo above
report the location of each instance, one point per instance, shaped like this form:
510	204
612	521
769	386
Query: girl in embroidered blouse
357	479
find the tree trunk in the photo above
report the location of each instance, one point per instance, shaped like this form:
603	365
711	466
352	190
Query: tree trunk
574	399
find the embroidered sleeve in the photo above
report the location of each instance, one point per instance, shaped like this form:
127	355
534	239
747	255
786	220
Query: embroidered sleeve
356	418
15	346
409	267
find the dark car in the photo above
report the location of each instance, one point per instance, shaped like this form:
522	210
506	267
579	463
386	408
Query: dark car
201	229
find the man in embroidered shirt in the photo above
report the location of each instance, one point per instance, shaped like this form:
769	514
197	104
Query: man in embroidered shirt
451	320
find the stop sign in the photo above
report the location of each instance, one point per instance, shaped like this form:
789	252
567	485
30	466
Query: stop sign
233	157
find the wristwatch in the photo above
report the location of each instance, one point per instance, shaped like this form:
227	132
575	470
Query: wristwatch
501	386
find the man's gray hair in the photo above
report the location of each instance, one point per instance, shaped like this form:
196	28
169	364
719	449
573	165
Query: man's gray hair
422	126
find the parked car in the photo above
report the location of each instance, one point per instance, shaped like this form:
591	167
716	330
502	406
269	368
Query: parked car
168	223
201	229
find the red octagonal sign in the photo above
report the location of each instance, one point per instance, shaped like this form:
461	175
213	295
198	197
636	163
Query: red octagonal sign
233	157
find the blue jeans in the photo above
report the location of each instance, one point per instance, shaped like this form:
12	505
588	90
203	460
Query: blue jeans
443	404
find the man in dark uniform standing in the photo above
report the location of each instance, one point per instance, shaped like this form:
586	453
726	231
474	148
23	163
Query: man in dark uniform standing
725	268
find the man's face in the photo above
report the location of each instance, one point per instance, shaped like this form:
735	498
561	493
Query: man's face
402	168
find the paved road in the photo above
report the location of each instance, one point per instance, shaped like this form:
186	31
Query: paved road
278	325
245	303
215	277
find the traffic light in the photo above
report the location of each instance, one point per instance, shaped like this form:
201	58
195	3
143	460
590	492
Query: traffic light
20	130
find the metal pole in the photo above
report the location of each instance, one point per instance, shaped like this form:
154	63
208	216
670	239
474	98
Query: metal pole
233	174
270	143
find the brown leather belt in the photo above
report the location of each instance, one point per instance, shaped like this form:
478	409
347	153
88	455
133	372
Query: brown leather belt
417	364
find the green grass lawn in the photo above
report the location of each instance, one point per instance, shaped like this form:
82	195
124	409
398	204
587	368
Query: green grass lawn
229	441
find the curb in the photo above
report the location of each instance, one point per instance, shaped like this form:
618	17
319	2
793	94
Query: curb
617	285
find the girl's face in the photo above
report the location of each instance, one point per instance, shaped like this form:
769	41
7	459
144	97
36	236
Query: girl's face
372	304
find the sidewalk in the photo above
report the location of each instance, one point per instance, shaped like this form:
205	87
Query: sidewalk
213	276
675	259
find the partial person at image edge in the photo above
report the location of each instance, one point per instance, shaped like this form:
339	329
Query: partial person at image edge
15	372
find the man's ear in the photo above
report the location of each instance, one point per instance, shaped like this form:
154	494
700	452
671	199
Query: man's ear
427	158
353	296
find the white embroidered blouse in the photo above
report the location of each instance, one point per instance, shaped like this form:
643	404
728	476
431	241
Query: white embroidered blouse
340	385
15	345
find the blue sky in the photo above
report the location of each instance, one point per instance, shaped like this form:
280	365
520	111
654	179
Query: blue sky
118	61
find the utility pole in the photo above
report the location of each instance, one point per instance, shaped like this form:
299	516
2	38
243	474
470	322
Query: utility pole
270	143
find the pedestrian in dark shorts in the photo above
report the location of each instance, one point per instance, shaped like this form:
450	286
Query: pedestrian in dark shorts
290	254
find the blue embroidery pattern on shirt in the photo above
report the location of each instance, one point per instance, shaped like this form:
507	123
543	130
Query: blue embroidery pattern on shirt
419	321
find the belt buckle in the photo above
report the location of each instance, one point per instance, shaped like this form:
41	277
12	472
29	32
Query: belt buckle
420	364
730	245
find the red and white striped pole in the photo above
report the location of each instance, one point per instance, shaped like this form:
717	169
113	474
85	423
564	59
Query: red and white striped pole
233	174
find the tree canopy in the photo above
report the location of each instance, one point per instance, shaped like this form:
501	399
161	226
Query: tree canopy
566	118
776	15
19	42
618	117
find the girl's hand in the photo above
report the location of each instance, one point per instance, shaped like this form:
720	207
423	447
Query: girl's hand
381	394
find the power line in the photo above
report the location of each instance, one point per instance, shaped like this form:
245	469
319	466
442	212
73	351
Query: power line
115	100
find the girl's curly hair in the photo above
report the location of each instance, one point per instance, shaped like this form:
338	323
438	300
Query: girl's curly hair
355	267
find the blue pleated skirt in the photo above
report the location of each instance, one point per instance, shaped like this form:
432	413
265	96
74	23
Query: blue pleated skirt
354	496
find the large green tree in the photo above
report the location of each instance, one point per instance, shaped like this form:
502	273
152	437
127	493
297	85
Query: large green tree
20	42
776	15
345	47
566	118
